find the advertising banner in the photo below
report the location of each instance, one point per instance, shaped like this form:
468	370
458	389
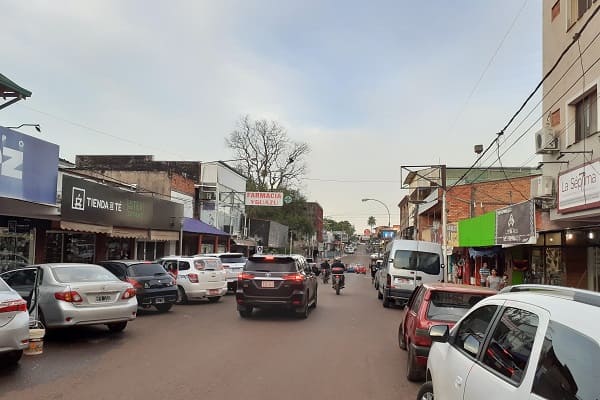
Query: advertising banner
579	188
270	199
28	167
515	224
85	201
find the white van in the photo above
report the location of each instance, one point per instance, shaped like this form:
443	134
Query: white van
407	264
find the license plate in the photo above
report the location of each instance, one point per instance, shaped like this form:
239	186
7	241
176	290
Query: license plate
405	281
270	284
213	291
102	298
159	300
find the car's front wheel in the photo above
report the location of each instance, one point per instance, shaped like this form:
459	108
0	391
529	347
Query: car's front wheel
426	391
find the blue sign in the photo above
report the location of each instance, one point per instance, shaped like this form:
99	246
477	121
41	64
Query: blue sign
28	167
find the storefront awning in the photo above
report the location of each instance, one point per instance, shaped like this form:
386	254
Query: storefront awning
130	233
12	91
244	242
164	236
81	227
26	209
196	226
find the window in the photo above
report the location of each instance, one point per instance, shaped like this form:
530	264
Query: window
475	325
90	273
417	260
555	10
146	270
586	117
568	365
184	265
510	347
115	270
450	306
577	8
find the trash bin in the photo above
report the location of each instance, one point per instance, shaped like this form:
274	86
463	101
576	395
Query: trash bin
36	339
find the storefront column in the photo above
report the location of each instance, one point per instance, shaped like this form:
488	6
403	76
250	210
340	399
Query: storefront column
199	243
216	245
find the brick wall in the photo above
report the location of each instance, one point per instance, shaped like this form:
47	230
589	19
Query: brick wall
182	185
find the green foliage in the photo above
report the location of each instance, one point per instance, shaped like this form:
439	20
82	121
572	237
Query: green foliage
371	221
345	226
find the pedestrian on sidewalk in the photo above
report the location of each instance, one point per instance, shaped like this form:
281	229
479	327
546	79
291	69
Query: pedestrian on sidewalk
484	272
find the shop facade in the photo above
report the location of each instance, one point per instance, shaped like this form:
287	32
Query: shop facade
100	222
28	185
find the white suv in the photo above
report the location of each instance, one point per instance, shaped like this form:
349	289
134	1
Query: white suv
233	264
198	277
527	342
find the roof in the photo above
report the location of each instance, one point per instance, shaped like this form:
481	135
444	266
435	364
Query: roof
455	287
127	262
196	226
9	89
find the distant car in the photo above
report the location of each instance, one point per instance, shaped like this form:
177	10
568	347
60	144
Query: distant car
349	250
153	285
433	304
360	269
350	268
233	263
14	325
277	281
198	277
75	294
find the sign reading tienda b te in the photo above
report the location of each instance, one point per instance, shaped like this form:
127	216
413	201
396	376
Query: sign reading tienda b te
515	224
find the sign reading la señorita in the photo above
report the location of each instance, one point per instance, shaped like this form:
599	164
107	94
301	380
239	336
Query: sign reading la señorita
271	199
579	188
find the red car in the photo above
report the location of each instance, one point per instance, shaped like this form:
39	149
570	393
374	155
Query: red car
360	269
433	304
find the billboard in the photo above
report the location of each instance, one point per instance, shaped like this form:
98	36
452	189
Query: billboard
269	199
515	224
28	167
85	201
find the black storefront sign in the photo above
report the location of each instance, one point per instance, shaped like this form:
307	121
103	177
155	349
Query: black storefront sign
85	201
515	224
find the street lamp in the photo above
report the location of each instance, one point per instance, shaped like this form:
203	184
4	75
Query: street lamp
386	207
36	126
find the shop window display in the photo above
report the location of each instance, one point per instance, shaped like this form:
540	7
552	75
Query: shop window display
70	247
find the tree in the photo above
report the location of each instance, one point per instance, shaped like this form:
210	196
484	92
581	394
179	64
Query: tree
270	158
371	222
333	226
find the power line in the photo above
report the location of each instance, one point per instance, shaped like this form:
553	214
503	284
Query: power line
520	109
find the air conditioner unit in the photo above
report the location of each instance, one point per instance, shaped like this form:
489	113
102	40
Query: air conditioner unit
546	141
542	187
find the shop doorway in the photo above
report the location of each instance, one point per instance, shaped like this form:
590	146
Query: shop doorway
16	249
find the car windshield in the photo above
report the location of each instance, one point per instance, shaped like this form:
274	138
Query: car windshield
451	306
89	273
417	260
271	265
146	269
233	259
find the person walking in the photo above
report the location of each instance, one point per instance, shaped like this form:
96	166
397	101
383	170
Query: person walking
484	272
494	281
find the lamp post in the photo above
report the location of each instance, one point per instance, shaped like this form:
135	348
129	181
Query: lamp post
386	207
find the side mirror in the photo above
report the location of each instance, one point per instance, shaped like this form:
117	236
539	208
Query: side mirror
439	333
471	345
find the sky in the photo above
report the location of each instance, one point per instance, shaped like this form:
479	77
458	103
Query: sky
370	86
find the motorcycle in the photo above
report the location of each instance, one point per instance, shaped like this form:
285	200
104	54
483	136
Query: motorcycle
337	280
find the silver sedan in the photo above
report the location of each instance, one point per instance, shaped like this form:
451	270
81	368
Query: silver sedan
75	294
14	325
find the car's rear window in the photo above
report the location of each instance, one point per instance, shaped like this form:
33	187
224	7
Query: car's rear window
239	259
143	269
209	265
82	274
451	306
275	265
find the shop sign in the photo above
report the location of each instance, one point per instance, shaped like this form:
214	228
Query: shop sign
85	201
270	199
515	224
451	236
579	188
28	167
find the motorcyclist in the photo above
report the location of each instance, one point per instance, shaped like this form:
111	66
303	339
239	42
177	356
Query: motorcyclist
326	268
339	264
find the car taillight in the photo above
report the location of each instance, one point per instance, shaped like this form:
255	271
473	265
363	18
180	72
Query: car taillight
422	335
70	296
135	283
129	293
294	278
245	276
13	305
193	278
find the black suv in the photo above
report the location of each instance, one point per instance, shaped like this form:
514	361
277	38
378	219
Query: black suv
276	281
154	286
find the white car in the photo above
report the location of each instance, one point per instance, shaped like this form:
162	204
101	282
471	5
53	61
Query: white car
527	342
198	277
14	325
233	264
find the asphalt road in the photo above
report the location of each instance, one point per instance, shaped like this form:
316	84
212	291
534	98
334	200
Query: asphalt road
346	349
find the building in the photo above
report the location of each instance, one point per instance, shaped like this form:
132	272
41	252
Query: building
568	248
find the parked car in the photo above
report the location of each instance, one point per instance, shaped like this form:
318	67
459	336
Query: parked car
75	294
433	304
14	325
233	264
198	277
153	285
527	342
349	267
277	281
360	269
